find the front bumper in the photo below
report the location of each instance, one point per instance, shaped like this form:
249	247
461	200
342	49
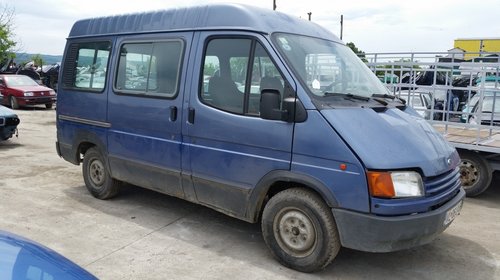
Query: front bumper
6	132
372	233
36	100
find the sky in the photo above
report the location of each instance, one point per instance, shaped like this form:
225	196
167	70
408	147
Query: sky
41	26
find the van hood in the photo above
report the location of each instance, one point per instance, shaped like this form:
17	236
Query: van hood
393	140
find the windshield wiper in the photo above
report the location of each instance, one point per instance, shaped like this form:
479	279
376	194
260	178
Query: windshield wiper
390	96
385	95
347	95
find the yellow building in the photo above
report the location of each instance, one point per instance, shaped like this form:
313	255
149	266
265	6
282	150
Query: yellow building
477	45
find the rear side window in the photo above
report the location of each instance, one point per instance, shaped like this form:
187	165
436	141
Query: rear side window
86	66
149	68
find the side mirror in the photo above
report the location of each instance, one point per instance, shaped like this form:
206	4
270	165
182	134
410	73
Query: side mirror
270	104
293	110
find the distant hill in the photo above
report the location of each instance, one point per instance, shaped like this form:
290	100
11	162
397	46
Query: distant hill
47	59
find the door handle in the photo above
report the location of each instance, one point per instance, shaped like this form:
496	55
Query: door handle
173	113
191	115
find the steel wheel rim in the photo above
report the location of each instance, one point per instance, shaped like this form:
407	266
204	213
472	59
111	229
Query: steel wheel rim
97	173
295	232
469	174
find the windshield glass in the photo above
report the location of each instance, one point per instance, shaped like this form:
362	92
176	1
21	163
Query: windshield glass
327	67
16	81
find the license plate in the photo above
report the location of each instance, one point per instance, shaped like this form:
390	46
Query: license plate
453	213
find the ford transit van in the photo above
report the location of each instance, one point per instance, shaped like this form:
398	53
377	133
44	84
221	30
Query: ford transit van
262	116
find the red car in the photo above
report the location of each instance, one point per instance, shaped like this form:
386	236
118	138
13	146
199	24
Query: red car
20	90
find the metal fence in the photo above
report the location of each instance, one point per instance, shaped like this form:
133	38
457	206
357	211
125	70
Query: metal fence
461	98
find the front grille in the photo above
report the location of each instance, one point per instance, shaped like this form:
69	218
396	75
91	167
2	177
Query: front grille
442	183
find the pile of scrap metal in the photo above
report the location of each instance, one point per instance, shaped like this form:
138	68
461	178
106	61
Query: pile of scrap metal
46	75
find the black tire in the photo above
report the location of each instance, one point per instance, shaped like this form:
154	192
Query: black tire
96	176
13	102
475	173
299	229
48	105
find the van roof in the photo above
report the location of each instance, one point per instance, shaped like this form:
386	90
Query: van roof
207	17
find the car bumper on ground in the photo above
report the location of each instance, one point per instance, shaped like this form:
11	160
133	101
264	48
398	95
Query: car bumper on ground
8	126
7	132
372	233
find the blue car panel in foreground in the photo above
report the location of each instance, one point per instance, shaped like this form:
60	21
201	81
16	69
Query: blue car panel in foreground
21	258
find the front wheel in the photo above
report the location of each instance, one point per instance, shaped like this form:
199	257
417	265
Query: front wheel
96	176
299	229
48	105
475	173
13	103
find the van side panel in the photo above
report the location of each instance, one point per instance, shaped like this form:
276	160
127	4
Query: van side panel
229	153
145	136
82	96
321	157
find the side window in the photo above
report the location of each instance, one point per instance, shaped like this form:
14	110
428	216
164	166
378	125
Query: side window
86	66
265	75
234	76
150	68
224	71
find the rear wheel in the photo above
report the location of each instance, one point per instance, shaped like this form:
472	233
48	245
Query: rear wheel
475	173
13	102
299	229
48	105
97	177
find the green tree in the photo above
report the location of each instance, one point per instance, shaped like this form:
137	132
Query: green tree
7	42
360	53
398	68
37	59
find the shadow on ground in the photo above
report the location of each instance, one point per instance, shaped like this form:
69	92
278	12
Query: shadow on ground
8	145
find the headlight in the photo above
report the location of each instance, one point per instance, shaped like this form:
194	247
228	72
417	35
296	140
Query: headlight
395	184
52	92
28	93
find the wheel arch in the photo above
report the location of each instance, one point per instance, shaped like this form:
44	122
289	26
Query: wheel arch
279	180
83	142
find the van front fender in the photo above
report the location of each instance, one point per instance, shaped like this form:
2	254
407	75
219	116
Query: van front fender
262	188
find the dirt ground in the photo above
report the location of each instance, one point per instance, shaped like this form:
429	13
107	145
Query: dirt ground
144	235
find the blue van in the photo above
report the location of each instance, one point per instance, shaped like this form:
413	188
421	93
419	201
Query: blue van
259	115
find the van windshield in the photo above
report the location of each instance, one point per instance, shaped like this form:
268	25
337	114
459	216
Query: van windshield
328	68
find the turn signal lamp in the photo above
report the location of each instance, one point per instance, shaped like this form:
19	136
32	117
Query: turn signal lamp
395	184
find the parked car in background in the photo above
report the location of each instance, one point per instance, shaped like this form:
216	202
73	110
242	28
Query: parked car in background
467	111
491	89
8	123
21	258
426	101
20	90
420	101
490	111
